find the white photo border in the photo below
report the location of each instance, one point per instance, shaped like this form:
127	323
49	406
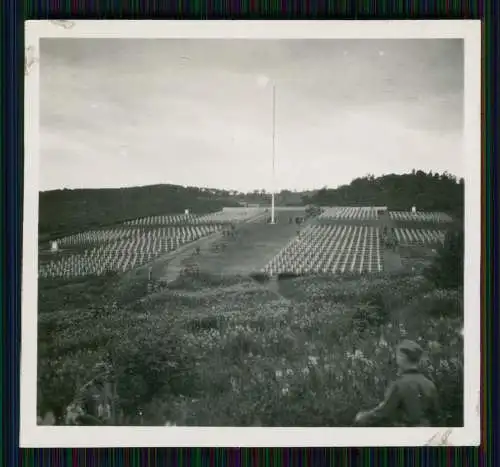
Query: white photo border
32	435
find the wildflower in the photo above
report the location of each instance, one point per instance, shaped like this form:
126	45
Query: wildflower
454	362
358	354
368	362
434	345
234	384
313	360
382	342
444	364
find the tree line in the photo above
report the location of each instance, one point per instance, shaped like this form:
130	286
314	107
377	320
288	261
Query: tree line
427	191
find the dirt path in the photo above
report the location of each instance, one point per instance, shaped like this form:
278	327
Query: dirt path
171	269
391	257
167	266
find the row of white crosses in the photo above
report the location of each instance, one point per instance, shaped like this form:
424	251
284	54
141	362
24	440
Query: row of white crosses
330	249
237	215
101	236
348	212
419	236
94	236
164	220
137	248
437	217
188	232
114	256
230	215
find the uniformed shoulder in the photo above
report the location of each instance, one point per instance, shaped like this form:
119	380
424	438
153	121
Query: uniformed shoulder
414	378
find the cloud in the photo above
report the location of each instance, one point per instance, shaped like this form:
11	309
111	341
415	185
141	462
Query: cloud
128	112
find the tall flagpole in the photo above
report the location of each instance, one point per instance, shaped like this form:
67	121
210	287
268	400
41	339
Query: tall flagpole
274	147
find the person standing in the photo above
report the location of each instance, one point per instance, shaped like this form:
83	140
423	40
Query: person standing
411	400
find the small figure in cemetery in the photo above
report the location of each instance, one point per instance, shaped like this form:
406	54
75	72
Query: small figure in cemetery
198	250
411	400
150	274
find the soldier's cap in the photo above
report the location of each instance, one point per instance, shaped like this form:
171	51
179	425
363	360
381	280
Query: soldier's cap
411	350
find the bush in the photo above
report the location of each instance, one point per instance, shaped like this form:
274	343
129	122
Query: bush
151	363
447	270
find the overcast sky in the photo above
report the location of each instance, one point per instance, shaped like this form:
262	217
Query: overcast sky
123	112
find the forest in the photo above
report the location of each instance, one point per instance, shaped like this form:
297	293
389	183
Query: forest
427	191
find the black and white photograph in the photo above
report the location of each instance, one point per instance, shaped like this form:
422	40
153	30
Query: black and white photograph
253	231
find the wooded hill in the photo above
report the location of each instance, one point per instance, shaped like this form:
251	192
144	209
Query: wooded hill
64	212
428	192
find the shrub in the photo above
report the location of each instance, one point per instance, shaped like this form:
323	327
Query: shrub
448	267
